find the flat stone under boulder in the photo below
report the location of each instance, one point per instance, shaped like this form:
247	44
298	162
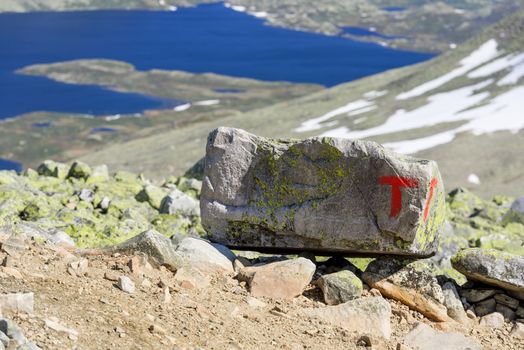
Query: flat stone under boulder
492	267
326	195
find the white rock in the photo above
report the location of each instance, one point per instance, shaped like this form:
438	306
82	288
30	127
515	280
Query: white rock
17	302
423	337
126	285
364	315
205	256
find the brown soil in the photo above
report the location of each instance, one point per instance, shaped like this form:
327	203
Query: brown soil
214	318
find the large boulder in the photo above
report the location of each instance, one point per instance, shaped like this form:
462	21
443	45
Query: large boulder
492	267
319	194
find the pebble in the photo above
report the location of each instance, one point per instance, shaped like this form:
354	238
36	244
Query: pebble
126	285
492	320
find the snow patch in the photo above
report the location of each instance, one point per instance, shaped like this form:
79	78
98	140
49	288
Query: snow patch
502	113
316	123
442	108
207	103
374	94
260	14
183	107
485	53
503	63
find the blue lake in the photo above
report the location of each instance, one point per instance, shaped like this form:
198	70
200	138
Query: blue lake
207	38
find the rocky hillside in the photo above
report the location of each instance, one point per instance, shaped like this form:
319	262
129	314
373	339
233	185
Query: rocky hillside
86	252
461	109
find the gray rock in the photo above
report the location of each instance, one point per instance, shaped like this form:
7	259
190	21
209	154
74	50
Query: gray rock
475	295
453	304
53	169
492	267
319	194
284	279
17	302
518	330
492	320
507	300
485	307
520	312
79	170
364	315
340	287
177	202
104	203
4	339
205	256
100	173
155	245
35	231
516	212
86	195
509	315
14	332
126	285
423	337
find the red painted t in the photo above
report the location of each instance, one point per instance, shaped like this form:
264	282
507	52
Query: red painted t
396	183
432	185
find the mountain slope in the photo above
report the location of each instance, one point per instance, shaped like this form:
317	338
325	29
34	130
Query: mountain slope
462	109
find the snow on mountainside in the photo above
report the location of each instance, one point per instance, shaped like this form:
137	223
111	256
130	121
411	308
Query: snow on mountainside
473	103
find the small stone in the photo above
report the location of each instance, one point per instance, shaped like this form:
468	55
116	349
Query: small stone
53	169
453	303
507	300
126	285
87	195
167	295
255	303
11	272
520	312
476	295
209	258
104	204
156	245
177	202
492	320
340	287
284	279
471	314
371	342
17	302
111	276
238	265
79	170
157	329
54	325
485	307
509	314
518	330
423	337
189	278
364	315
